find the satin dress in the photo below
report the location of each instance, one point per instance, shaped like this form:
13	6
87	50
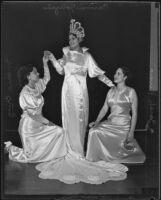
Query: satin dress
73	167
106	141
75	97
40	142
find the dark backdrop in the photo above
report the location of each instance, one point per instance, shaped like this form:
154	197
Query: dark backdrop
117	34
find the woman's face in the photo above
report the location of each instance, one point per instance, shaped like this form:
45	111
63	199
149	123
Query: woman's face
119	76
73	41
34	75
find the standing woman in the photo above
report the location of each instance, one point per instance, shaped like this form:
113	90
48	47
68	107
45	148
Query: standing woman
75	65
113	140
74	168
41	139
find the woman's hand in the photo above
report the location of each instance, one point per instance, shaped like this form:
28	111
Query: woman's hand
93	124
52	57
50	124
129	145
49	55
45	59
130	137
106	80
111	84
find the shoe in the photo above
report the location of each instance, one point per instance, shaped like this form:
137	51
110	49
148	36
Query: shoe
7	145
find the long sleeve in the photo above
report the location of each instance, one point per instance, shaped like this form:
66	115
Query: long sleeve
46	78
41	84
27	103
31	107
106	80
93	69
58	64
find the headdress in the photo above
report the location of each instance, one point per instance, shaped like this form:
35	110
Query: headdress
76	28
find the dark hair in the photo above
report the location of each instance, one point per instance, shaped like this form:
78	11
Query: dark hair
126	73
23	72
75	35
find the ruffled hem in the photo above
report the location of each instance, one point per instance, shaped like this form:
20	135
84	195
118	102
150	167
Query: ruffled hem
71	170
91	180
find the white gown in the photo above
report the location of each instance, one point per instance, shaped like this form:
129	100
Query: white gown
106	141
40	142
73	167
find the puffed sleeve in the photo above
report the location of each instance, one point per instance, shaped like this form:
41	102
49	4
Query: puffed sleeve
41	85
27	103
93	69
30	107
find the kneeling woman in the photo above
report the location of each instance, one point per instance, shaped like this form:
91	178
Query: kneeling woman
113	140
41	139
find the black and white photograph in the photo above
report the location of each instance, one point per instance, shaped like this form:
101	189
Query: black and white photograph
80	100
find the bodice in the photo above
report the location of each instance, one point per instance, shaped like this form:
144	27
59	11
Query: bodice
120	102
31	100
75	64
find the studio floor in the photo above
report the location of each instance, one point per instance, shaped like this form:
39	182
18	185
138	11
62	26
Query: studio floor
142	179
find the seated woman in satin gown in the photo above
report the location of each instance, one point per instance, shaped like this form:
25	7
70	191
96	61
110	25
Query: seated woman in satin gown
41	139
76	63
113	139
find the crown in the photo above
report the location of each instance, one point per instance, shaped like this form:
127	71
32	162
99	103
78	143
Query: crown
76	28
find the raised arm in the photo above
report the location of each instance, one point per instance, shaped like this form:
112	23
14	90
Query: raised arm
57	64
41	84
46	77
134	106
